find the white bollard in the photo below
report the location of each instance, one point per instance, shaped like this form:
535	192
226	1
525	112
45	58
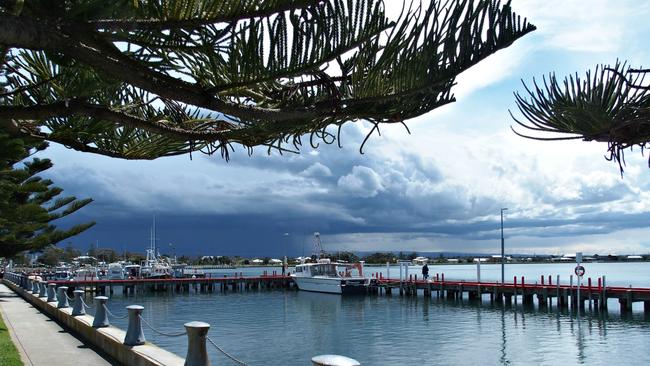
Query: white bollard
334	360
62	297
134	334
51	292
42	286
101	320
78	306
197	354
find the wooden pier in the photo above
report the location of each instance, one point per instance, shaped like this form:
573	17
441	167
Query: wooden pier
179	285
547	294
544	293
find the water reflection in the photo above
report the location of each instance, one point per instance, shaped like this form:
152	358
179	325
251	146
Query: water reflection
292	326
504	339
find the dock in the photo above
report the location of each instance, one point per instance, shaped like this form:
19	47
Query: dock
544	291
233	283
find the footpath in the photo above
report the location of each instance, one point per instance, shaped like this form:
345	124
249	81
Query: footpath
40	340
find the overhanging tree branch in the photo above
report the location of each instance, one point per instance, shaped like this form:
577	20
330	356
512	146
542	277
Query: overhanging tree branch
266	67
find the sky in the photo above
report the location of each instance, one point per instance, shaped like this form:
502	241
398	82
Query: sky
440	188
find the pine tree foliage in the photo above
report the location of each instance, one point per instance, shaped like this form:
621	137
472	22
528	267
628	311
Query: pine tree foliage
611	104
141	79
28	203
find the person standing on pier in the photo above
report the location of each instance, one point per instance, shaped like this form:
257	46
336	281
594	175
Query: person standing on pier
425	271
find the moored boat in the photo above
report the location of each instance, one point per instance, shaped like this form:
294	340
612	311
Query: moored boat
325	276
86	274
115	271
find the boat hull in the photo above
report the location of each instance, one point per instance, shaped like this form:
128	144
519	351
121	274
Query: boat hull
331	285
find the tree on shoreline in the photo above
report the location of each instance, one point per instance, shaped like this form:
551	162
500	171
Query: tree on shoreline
28	203
145	79
611	104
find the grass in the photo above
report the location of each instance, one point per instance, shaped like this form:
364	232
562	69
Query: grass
9	355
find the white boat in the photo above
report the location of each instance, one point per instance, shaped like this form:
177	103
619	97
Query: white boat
86	274
132	271
154	266
115	271
325	276
62	274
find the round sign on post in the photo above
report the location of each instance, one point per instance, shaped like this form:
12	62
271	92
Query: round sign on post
580	271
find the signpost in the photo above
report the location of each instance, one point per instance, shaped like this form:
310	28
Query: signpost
579	271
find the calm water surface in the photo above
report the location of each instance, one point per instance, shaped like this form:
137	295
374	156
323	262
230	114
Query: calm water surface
289	327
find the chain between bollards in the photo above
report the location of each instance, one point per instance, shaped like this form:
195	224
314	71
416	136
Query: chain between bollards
86	305
113	315
159	332
226	353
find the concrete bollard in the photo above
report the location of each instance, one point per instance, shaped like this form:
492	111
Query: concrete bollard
35	289
62	297
51	292
134	334
78	306
197	355
334	360
101	320
42	286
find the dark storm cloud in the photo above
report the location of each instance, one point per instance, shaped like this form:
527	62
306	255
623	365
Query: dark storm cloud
249	202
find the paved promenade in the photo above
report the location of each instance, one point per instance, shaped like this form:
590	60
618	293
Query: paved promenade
40	340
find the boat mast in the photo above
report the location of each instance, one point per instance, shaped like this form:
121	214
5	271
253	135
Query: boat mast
318	247
153	237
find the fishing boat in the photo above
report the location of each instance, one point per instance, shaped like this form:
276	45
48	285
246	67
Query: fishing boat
154	266
333	278
132	271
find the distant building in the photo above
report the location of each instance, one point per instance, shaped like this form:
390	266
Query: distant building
257	261
634	258
452	260
497	258
420	261
275	261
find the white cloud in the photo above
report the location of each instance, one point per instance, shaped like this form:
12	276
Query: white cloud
593	26
317	170
361	182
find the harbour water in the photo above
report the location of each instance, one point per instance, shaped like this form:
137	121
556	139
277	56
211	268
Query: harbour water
289	327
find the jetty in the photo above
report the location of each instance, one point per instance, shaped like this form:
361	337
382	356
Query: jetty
544	292
235	282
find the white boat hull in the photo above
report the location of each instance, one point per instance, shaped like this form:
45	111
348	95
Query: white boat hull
330	285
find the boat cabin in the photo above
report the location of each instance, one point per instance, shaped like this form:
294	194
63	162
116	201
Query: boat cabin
317	269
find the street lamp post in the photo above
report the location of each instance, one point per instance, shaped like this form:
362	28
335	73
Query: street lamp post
503	257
